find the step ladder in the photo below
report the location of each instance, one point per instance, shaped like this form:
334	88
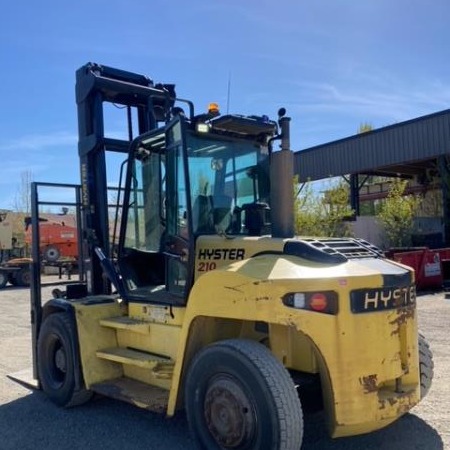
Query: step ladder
161	366
138	393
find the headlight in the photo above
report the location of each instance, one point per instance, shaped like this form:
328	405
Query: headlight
202	127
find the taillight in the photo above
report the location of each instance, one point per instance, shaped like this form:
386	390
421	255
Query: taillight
323	302
318	302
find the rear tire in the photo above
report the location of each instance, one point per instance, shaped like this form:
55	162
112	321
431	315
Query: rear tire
56	362
239	396
23	277
426	366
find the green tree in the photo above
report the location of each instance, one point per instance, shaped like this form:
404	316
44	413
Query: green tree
397	215
322	214
364	127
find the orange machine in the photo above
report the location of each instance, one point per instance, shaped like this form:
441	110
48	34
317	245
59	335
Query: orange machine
57	240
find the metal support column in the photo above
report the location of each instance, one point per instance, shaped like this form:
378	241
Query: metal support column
354	194
444	173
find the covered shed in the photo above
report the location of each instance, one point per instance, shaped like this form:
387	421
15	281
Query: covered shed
417	148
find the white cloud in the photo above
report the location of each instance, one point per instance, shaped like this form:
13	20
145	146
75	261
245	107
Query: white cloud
44	156
389	103
40	141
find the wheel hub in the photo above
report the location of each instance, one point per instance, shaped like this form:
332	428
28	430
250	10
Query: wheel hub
60	360
228	413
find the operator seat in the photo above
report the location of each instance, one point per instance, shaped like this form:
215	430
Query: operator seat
255	217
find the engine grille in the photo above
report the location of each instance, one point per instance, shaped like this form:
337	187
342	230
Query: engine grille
331	250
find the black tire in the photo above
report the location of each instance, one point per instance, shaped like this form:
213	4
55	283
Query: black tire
238	396
23	277
56	364
52	253
426	366
3	278
12	279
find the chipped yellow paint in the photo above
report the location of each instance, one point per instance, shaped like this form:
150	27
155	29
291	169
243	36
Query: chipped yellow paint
368	362
347	348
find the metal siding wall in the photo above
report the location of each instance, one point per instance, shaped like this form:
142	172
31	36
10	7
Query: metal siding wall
406	142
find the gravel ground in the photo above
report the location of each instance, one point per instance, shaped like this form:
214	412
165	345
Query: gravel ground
29	421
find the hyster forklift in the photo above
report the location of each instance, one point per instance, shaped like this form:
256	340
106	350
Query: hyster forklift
208	301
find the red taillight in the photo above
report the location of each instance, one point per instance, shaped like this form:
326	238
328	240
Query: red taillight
318	302
323	302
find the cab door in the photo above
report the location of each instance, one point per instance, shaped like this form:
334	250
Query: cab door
178	244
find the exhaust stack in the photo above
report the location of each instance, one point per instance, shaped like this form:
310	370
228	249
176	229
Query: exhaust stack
281	183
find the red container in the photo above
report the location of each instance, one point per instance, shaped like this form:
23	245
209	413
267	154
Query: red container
444	254
425	262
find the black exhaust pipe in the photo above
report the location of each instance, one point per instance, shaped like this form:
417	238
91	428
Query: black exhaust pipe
282	183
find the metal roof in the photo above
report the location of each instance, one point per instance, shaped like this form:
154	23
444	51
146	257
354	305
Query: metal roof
406	148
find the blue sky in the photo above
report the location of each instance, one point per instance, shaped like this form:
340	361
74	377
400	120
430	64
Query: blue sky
334	64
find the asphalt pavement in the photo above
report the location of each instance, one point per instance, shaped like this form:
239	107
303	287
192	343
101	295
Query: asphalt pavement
28	420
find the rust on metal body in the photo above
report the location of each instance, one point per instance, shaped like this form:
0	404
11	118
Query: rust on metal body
135	392
369	383
403	315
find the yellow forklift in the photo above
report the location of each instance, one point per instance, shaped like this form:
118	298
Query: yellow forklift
208	302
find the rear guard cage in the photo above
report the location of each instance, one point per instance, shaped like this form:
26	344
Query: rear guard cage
43	196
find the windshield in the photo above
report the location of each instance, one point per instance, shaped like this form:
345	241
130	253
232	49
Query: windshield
227	180
227	177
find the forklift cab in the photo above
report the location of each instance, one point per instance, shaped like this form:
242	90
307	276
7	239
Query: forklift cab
182	184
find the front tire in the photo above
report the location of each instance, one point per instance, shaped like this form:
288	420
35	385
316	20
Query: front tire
56	362
238	396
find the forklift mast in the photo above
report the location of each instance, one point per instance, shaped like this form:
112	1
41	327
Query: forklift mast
149	104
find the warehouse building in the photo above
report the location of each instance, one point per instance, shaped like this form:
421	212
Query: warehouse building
417	149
